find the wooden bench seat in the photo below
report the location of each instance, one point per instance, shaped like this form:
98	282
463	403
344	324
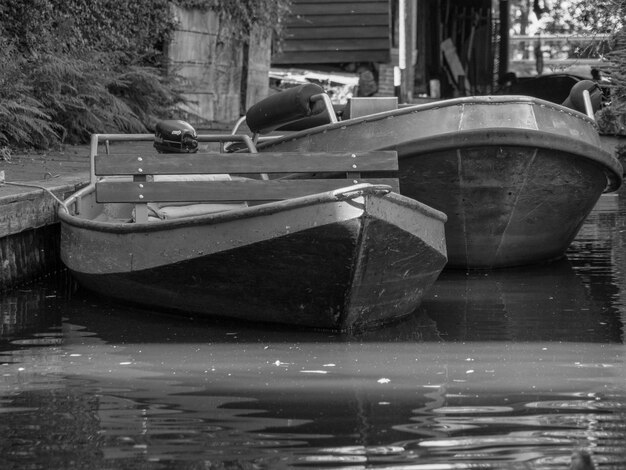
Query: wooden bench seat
256	177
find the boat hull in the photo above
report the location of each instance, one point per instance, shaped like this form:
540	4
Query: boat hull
516	176
507	205
332	265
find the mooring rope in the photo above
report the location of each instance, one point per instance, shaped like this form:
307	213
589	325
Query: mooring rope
32	185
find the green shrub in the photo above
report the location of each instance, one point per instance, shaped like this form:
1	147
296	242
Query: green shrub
134	31
612	118
76	94
82	67
23	120
76	67
85	99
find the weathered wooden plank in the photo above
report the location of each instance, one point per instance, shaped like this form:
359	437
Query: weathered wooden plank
248	190
343	44
331	57
258	66
315	29
329	32
211	69
212	163
322	2
340	8
313	21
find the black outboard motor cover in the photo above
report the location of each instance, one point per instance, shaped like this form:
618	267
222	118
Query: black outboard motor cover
174	136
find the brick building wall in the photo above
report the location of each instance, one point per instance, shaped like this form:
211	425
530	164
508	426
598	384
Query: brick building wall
385	80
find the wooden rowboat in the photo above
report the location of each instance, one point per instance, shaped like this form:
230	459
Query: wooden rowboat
515	175
325	254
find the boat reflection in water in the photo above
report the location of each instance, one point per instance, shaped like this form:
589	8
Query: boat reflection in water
536	303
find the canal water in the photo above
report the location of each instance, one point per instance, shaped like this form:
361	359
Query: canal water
515	368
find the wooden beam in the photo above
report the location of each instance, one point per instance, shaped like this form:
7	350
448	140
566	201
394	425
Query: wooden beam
237	163
221	191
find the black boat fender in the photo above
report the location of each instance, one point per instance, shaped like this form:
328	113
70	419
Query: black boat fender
287	106
576	100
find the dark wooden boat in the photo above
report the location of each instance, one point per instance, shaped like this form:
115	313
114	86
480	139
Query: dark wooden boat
323	253
515	175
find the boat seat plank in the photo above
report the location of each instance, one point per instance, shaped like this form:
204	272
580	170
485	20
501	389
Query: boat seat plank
220	191
208	177
233	163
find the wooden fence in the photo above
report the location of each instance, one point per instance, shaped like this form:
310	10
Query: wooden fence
221	77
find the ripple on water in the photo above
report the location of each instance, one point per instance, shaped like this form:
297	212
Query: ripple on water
578	405
47	341
472	409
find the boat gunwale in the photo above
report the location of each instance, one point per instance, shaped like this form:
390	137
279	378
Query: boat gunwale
489	100
501	137
328	197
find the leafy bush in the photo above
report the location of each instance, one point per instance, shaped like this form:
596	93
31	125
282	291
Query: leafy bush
78	67
612	118
23	120
85	99
133	31
75	67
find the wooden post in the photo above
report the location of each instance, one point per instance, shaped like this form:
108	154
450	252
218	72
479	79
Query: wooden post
402	50
141	210
503	53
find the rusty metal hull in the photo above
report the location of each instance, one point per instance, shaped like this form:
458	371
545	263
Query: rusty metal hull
310	262
516	176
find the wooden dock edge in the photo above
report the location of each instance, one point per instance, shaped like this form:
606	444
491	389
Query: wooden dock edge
29	233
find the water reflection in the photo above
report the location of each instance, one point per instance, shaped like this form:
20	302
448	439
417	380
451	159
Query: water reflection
549	302
31	308
281	404
498	369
